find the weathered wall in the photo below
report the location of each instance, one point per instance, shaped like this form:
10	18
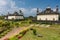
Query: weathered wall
48	17
15	17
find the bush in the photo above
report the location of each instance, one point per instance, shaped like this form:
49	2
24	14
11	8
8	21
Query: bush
23	32
34	31
31	28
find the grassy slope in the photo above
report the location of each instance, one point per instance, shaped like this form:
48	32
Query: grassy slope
48	34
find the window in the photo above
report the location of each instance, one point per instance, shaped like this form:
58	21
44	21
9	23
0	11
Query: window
40	18
53	19
46	18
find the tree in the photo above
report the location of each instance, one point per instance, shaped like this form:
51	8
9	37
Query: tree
31	17
21	12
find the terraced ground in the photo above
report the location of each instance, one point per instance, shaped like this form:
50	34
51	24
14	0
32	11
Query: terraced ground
50	33
46	32
14	32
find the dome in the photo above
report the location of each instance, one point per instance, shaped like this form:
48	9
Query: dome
48	7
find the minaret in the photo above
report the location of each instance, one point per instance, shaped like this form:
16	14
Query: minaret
57	8
37	10
8	13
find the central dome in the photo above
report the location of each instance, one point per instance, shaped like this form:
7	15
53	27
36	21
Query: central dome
48	7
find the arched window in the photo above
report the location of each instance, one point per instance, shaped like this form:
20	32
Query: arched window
40	18
46	18
53	19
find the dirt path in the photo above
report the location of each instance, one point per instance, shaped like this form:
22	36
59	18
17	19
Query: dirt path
14	32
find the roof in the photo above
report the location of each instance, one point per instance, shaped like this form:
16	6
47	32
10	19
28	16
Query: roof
14	14
48	11
48	14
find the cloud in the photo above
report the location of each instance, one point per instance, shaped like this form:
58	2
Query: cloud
3	2
34	10
54	9
10	6
59	10
14	7
22	2
23	9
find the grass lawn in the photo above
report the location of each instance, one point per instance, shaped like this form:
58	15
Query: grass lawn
48	33
51	33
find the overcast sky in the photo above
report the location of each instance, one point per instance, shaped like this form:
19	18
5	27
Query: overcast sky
27	6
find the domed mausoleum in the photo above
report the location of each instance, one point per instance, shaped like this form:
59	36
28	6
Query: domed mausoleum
48	14
15	16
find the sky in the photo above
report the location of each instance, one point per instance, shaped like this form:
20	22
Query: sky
28	7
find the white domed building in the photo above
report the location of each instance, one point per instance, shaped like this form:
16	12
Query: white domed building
48	15
15	16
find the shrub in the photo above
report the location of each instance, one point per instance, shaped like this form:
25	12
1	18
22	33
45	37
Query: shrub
31	28
19	37
34	31
24	32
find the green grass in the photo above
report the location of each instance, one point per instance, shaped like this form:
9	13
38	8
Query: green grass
47	33
4	33
14	38
51	33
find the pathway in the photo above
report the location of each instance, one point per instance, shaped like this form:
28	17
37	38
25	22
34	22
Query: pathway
14	32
